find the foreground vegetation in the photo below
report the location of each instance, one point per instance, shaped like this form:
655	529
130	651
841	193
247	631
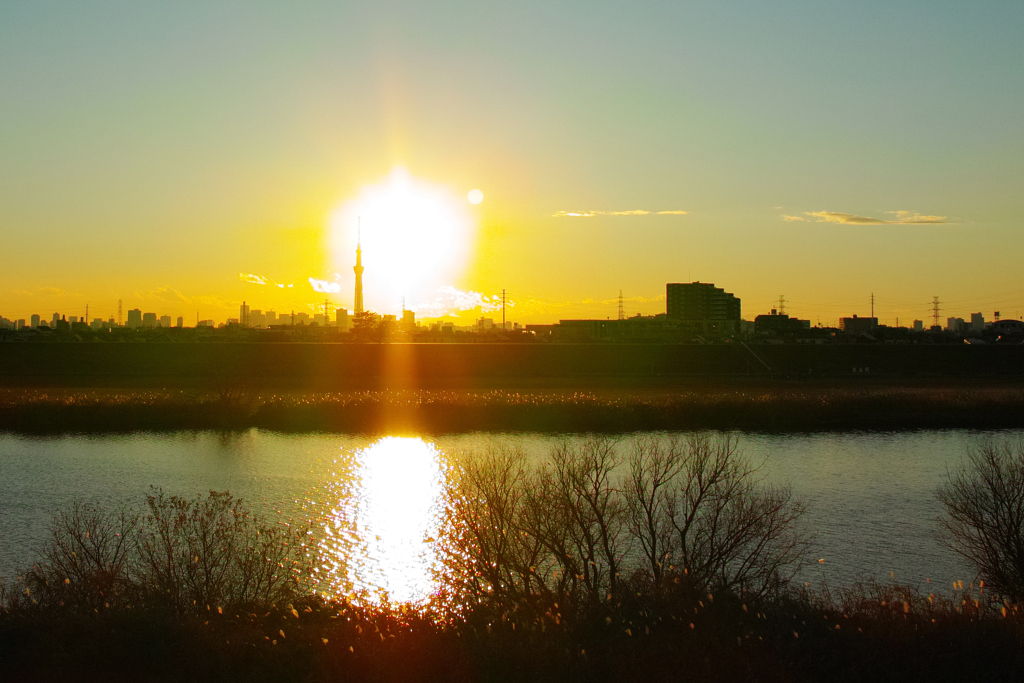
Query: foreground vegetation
673	561
771	407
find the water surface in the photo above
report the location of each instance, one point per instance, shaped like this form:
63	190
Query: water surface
871	508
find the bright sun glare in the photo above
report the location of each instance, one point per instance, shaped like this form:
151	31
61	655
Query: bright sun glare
415	238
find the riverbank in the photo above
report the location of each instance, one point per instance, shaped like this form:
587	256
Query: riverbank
765	407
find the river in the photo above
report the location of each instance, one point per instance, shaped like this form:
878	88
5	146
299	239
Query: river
870	497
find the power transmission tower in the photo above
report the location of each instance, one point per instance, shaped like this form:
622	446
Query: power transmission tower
622	312
935	311
782	304
872	304
119	311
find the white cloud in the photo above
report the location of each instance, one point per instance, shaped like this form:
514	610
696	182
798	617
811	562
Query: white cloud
452	300
792	218
252	279
324	286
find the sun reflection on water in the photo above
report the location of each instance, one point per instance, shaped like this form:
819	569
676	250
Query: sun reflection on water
378	540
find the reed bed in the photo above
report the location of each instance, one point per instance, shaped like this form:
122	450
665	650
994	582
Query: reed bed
778	409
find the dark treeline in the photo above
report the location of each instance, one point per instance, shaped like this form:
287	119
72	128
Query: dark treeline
783	408
674	561
334	367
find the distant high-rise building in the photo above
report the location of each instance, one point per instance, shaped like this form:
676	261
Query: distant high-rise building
55	320
702	308
270	318
134	319
408	321
165	321
243	314
977	322
35	320
700	301
300	319
857	325
341	320
149	319
181	322
21	324
918	326
357	306
319	319
954	324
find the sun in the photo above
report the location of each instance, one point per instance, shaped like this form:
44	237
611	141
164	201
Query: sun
415	237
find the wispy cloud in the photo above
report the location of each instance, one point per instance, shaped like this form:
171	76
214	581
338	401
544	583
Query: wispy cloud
252	279
324	286
899	218
167	294
632	212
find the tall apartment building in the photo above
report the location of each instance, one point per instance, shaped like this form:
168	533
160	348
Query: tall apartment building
700	301
702	308
134	319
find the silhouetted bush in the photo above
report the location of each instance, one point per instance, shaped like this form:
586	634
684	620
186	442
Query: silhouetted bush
90	561
984	504
211	551
573	538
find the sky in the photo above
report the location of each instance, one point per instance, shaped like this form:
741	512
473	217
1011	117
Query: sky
184	157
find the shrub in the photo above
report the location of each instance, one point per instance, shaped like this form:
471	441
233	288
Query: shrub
212	551
90	561
984	521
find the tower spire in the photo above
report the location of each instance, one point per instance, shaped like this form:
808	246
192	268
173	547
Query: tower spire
358	303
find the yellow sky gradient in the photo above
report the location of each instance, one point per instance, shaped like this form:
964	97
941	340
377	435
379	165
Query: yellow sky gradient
154	155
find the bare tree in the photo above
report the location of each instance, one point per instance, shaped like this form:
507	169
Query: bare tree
90	560
730	530
211	551
654	466
984	503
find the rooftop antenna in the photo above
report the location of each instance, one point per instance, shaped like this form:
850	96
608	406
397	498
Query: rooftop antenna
622	313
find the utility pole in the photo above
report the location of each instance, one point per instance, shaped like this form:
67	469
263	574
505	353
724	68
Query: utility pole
622	313
119	307
872	304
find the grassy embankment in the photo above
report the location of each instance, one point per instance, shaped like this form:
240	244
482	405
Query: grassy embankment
767	407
